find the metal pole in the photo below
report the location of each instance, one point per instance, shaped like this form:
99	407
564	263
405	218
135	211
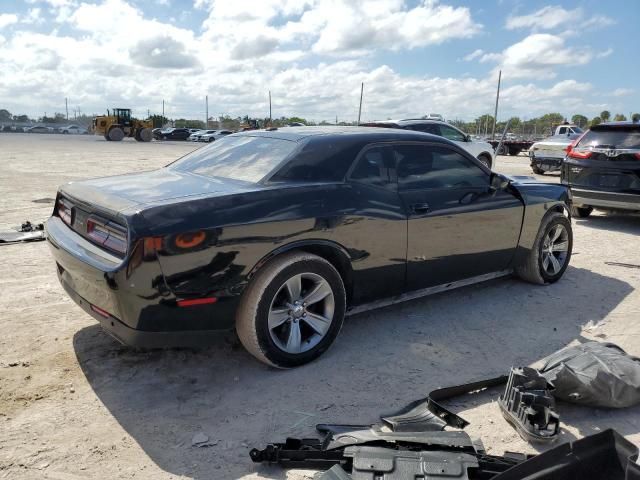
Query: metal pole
270	119
495	115
66	107
163	110
206	112
360	107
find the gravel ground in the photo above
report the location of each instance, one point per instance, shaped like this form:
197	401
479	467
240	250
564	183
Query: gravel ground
74	404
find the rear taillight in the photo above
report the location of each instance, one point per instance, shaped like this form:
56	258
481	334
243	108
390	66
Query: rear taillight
64	211
637	155
107	234
579	154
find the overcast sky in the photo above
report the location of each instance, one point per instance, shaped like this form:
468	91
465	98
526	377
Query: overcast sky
415	57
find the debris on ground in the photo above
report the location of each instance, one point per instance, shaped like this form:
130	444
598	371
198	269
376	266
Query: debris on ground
431	455
527	404
27	232
596	374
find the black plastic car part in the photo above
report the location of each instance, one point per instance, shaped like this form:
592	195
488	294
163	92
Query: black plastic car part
428	415
528	405
603	456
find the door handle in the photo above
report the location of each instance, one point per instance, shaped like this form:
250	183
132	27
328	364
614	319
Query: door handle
420	208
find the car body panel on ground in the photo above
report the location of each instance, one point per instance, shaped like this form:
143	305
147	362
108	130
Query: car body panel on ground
194	240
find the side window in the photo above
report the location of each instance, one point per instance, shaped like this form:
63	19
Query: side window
451	133
562	131
372	167
433	167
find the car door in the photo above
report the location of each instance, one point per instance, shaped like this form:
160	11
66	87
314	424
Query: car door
456	227
375	230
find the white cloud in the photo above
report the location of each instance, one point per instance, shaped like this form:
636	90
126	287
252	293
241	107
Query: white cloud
538	55
622	92
604	53
473	55
311	54
554	16
7	19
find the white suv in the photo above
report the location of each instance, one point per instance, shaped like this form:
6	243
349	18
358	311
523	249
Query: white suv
483	151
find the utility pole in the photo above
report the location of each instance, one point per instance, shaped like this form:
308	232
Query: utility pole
270	120
66	107
495	115
148	113
206	111
360	107
336	119
163	110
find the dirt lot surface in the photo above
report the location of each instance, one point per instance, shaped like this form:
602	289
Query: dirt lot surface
74	404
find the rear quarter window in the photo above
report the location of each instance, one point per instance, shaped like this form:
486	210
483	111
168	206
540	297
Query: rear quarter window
319	160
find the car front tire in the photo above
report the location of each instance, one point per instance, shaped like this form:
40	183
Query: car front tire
292	310
551	252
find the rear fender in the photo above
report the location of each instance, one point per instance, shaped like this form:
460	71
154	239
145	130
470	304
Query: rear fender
333	252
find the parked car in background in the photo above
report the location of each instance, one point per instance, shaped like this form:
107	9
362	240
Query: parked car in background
195	136
483	151
280	233
39	129
215	135
547	154
73	129
173	134
603	168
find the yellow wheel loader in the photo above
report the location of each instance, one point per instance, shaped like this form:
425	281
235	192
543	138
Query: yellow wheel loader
120	124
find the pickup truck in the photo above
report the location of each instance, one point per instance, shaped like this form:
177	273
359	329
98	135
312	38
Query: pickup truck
547	155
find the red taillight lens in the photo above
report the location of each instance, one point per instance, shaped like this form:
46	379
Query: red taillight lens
107	234
579	154
64	212
637	155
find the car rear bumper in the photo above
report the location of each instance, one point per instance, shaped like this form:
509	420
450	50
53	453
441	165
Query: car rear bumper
548	164
594	198
101	286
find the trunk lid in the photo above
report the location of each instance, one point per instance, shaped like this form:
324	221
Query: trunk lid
117	193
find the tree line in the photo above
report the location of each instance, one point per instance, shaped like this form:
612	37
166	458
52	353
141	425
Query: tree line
538	126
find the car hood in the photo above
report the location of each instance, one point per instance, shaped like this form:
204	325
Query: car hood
120	192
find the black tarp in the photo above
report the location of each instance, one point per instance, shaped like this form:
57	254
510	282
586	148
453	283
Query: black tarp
595	374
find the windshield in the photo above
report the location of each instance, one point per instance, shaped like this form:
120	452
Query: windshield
626	138
243	158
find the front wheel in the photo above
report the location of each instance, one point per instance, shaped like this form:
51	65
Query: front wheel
537	170
292	310
551	252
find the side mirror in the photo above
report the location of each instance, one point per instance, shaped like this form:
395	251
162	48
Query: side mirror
467	138
497	182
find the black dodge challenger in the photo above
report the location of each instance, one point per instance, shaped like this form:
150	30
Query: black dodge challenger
283	232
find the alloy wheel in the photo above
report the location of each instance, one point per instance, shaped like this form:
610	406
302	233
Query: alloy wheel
554	249
301	313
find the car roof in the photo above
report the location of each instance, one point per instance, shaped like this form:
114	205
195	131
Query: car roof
627	125
370	134
409	121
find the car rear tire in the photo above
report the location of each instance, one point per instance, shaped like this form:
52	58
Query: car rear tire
211	139
485	160
536	170
581	212
551	252
292	310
